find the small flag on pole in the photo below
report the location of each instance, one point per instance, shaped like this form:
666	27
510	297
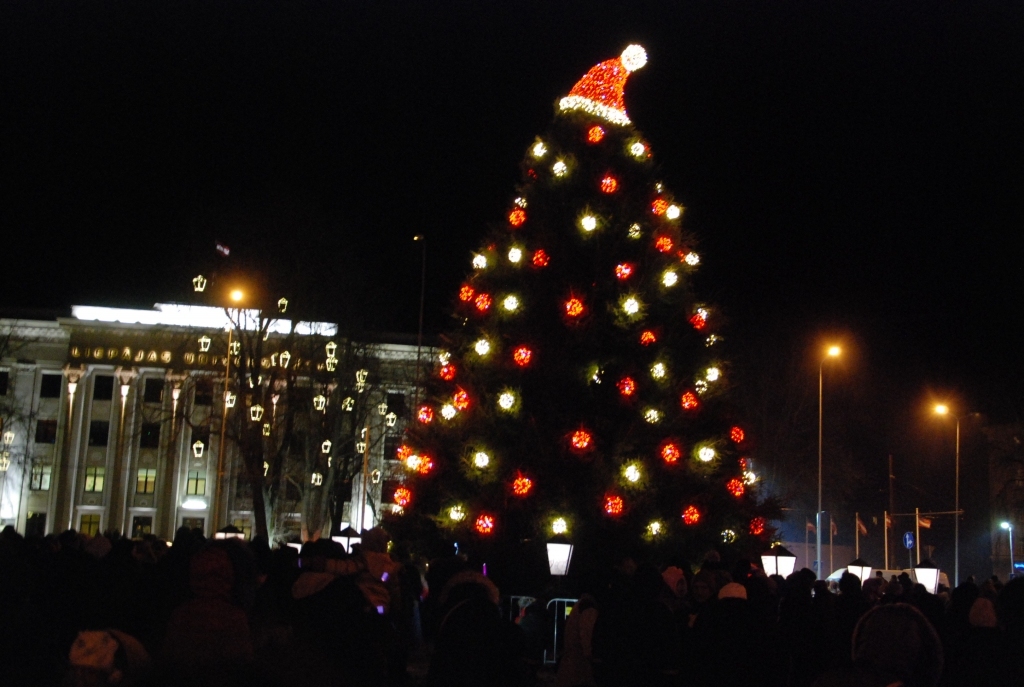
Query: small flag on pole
924	522
861	527
888	521
810	526
223	249
835	527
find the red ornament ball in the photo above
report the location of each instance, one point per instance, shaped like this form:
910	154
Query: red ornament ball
403	496
425	465
540	258
613	505
735	487
698	321
403	452
574	307
757	526
663	244
595	134
466	293
670	452
659	206
522	485
737	434
485	524
609	184
460	399
627	387
647	337
689	401
483	302
425	414
447	372
522	355
581	439
517	217
623	270
691	516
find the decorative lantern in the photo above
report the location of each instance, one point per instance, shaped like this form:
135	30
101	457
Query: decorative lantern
282	305
285	358
347	538
320	402
860	568
8	438
229	532
559	554
326	446
229	399
331	349
390	419
927	573
331	364
199	283
197	449
256	413
778	561
361	380
204	343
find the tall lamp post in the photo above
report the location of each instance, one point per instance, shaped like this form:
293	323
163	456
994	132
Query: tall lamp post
1009	528
832	352
218	492
942	409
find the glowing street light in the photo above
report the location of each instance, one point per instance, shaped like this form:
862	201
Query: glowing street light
831	352
1009	528
943	410
237	295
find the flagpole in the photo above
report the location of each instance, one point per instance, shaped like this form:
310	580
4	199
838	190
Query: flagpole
885	530
831	529
856	535
807	540
917	533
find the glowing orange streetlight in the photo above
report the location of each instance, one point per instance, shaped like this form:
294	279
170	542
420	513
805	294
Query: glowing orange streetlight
831	352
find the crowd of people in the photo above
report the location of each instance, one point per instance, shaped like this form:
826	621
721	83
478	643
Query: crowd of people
106	610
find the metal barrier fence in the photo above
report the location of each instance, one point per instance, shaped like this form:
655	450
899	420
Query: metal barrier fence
517	606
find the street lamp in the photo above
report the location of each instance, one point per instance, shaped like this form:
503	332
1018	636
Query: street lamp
927	574
347	537
1009	528
942	409
831	352
559	554
778	561
860	568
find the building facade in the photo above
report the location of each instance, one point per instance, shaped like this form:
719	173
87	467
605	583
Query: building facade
126	420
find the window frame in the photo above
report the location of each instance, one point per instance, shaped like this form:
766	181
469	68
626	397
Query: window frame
146	481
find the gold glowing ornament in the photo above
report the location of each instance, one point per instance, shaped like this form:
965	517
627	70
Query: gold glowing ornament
282	305
197	449
511	303
652	415
559	526
319	402
444	357
390	419
331	348
700	386
266	467
669	278
539	150
631	305
229	399
382	408
204	343
448	411
482	347
348	404
728	536
481	460
317	479
361	380
479	261
588	223
456	514
507	400
285	358
634	231
673	212
559	169
236	347
600	91
266	429
654	528
632	473
199	283
360	447
326	446
331	364
515	255
658	370
256	413
706	454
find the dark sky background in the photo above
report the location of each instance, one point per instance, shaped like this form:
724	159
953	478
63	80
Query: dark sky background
853	168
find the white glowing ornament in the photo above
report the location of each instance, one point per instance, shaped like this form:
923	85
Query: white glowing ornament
654	528
692	259
204	343
588	222
448	411
360	447
652	415
479	261
539	149
506	400
638	149
633	57
658	370
320	402
706	454
559	526
481	459
482	347
511	303
634	231
521	202
711	340
515	255
700	386
749	477
256	412
673	212
317	479
331	364
728	536
631	306
456	513
230	399
669	278
391	419
632	473
326	446
712	374
444	357
382	408
559	169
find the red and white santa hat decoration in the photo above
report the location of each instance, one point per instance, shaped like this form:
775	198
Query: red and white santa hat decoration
599	92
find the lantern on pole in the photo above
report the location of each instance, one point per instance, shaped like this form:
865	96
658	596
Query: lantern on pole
927	574
197	449
559	554
860	568
778	561
348	537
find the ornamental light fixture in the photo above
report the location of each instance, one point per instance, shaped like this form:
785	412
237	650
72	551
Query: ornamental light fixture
319	402
8	438
317	479
326	446
348	538
348	404
199	283
266	429
382	408
860	568
331	364
331	349
360	447
256	413
778	561
361	380
282	305
285	358
230	399
927	573
390	419
559	554
5	461
197	449
204	343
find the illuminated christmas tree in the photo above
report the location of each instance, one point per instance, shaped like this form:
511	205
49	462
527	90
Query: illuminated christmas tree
583	391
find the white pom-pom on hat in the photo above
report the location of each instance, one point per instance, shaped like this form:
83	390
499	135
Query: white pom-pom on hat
633	57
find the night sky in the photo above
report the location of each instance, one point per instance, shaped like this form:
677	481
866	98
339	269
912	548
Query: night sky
853	169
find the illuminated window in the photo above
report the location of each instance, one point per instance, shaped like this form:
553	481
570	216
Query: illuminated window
143	525
146	481
40	478
94	477
196	485
89	524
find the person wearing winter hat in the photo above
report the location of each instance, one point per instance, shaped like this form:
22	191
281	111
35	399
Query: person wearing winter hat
106	657
733	590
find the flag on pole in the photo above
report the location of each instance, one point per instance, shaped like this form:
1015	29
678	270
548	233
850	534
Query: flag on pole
924	522
835	527
861	527
888	521
223	249
810	527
